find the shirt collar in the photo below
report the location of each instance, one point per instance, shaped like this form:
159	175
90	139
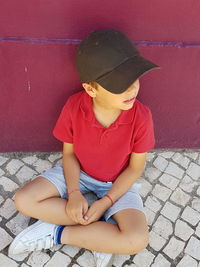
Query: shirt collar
86	105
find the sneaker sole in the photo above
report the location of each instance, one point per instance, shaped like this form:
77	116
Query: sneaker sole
16	239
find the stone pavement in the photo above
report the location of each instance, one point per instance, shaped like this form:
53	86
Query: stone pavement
171	196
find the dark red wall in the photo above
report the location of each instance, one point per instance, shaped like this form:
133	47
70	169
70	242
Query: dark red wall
38	40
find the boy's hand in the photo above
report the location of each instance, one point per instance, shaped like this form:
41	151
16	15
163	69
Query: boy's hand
96	210
76	207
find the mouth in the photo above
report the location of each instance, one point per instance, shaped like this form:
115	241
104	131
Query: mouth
129	100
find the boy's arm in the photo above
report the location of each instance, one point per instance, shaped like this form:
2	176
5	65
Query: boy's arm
128	177
121	185
77	205
71	167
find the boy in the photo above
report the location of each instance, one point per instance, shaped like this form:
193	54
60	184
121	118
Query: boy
106	134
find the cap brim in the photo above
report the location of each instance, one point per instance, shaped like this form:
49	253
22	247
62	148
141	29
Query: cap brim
120	78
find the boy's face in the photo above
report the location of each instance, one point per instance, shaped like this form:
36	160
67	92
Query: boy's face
110	101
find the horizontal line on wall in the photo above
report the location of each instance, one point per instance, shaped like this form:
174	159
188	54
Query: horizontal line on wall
77	41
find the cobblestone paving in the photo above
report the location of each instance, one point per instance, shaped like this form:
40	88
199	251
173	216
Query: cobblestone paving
170	192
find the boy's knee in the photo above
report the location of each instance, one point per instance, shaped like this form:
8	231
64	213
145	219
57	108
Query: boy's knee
136	242
21	199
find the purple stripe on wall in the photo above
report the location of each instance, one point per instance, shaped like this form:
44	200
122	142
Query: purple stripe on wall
77	41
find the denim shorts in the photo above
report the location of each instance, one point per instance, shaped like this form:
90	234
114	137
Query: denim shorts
130	200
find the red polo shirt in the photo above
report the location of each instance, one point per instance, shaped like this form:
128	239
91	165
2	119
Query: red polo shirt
104	153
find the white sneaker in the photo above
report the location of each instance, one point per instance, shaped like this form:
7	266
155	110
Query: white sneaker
103	259
38	236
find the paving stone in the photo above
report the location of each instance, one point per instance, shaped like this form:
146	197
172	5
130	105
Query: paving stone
153	204
56	247
183	230
38	259
167	154
24	265
198	191
191	216
30	159
152	173
144	258
170	211
192	155
198	230
161	192
163	227
193	248
180	159
42	165
174	170
1	172
187	261
6	262
86	259
59	260
25	174
196	204
174	248
13	166
18	223
131	265
120	259
187	184
8	208
8	184
180	197
169	181
193	171
160	163
3	160
70	250
19	257
5	238
160	261
1	200
150	215
145	188
54	157
156	241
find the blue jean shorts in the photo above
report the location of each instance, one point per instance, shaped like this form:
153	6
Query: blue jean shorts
130	200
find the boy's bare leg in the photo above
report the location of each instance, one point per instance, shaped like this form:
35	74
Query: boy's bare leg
128	237
98	236
30	200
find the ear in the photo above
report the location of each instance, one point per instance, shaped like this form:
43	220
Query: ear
89	89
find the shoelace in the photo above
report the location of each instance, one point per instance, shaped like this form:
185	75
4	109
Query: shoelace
40	244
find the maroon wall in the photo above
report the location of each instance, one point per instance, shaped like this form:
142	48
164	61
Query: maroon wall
38	40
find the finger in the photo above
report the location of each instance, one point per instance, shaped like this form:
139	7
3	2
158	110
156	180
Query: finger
74	216
85	209
79	217
91	219
87	215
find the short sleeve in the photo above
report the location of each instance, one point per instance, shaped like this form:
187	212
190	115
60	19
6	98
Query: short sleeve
144	139
63	129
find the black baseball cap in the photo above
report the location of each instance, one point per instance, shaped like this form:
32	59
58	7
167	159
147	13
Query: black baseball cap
108	57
